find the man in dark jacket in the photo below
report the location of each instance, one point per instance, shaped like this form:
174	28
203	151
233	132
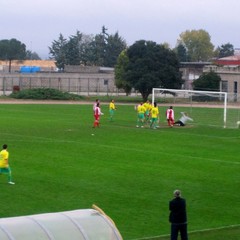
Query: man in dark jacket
178	216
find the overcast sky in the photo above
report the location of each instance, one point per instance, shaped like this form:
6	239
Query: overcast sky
37	23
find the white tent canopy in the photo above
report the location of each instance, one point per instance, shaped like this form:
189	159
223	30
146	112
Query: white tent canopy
87	224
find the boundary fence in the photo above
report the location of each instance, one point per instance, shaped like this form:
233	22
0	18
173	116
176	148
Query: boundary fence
74	83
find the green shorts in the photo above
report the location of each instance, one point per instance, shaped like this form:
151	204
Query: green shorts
5	170
141	115
154	119
111	111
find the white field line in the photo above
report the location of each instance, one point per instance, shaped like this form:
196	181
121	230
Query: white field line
79	102
130	149
44	139
195	231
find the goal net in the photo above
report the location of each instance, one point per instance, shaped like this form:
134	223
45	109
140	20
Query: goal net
204	107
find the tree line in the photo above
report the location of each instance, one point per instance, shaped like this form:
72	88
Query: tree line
141	66
103	49
80	49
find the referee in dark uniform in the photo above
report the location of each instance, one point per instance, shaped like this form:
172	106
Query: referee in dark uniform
178	216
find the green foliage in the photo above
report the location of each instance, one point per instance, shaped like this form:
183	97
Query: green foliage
98	47
225	50
73	49
32	55
12	50
120	70
44	94
151	65
207	82
58	51
99	50
115	45
198	45
129	172
181	53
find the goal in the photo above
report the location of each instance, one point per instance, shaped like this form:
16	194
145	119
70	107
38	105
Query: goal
204	107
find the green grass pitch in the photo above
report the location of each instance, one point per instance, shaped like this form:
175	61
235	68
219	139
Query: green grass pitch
129	172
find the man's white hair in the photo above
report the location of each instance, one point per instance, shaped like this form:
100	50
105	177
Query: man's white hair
177	193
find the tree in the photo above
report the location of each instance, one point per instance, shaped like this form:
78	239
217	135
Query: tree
198	45
12	50
32	55
115	45
151	65
98	47
73	49
120	69
58	51
99	50
207	82
87	53
225	50
181	53
107	47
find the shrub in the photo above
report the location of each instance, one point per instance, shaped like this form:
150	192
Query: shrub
44	94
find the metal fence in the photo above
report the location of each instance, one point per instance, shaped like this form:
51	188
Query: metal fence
94	85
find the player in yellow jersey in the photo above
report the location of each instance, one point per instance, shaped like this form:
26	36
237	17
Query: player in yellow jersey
150	110
112	109
148	107
140	115
4	165
155	116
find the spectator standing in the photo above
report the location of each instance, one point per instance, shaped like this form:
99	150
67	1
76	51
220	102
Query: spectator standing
178	216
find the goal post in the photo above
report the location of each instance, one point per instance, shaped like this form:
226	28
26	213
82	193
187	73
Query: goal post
191	98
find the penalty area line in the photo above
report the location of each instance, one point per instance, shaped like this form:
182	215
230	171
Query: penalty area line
194	231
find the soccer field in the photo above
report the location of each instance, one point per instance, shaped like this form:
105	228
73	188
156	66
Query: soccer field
59	165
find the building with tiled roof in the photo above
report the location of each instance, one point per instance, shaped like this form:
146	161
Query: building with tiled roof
231	60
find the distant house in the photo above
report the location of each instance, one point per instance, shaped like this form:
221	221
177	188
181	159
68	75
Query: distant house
229	61
191	71
228	68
